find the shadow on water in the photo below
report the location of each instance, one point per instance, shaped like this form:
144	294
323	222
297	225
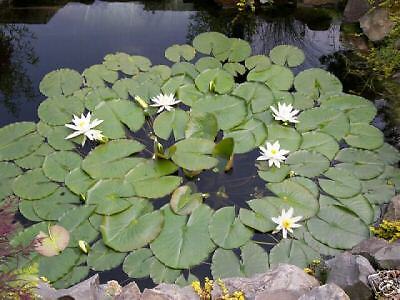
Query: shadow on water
37	37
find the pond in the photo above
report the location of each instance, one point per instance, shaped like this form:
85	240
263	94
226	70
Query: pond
37	37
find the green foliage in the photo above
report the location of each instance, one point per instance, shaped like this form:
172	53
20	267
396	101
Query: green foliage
388	230
124	198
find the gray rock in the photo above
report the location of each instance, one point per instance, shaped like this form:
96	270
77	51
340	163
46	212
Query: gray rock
129	292
355	9
393	210
278	295
283	277
350	272
376	25
326	292
368	248
169	292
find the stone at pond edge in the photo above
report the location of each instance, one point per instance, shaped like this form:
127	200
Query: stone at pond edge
393	210
350	272
355	9
376	25
326	292
129	292
169	292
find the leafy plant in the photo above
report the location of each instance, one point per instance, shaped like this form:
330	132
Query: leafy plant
123	201
388	230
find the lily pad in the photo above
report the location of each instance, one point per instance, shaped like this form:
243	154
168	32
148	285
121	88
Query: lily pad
112	160
35	159
127	64
388	154
308	164
257	62
59	110
234	69
211	43
215	80
205	63
189	94
287	55
317	82
57	165
293	252
258	95
8	171
364	136
273	174
99	76
201	125
185	68
137	263
18	140
78	181
183	202
360	206
98	95
275	77
183	242
225	263
377	191
341	183
102	258
320	142
288	137
168	122
175	53
33	185
160	273
60	82
227	231
55	267
133	228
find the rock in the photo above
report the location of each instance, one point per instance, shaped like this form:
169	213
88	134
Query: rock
282	278
350	272
326	292
169	292
393	210
88	290
318	2
376	24
129	292
355	9
278	295
368	248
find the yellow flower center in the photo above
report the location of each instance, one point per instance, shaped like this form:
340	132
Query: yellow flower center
82	124
287	223
274	152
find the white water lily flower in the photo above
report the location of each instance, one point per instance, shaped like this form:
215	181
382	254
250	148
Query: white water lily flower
84	126
164	102
273	154
286	222
285	113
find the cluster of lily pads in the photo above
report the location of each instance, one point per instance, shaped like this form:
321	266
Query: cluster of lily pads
336	172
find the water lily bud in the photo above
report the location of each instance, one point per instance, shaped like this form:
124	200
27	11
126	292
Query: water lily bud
84	246
141	102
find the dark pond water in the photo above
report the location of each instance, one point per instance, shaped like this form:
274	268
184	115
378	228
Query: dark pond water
37	37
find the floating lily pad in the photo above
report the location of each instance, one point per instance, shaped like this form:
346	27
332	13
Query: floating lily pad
97	95
189	94
161	273
302	101
171	122
78	181
102	258
293	252
128	64
388	154
201	125
56	136
60	110
183	202
211	43
275	77
273	174
287	55
26	209
8	171
257	63
288	137
174	83
53	242
205	63
112	160
364	136
230	111
184	68
215	80
60	82
377	191
18	140
308	164
76	275
234	69
227	231
137	263
183	241
261	213
337	228
360	206
320	142
55	267
133	228
258	95
35	159
57	165
99	75
175	53
194	154
33	185
341	183
317	82
225	263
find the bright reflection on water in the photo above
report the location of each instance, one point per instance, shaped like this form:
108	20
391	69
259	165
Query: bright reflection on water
35	40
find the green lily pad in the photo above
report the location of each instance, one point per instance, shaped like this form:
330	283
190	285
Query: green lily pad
258	95
57	165
76	275
275	77
183	202
205	63
60	82
35	159
287	55
52	207
288	137
378	191
133	228
230	111
25	207
56	136
175	53
295	195
360	206
227	231
189	94
183	241
18	140
327	120
26	236
182	281
111	196
168	122
78	181
116	115
248	135
98	95
308	164
33	185
302	101
341	183
60	110
55	267
160	273
293	252
112	160
320	142
102	258
150	181
317	82
185	68
234	69
388	154
201	125
194	154
8	171
225	263
127	64
338	228
273	174
99	76
364	136
137	263
215	80
257	63
210	42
